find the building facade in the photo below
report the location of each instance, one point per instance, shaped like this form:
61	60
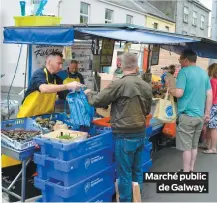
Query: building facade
191	16
156	19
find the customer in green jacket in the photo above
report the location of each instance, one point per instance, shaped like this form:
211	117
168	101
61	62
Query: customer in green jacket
131	99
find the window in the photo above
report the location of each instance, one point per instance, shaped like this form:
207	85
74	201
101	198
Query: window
84	13
155	26
184	33
202	22
108	16
194	18
167	28
186	14
129	19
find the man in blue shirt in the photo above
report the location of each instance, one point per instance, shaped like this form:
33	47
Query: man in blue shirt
194	94
163	76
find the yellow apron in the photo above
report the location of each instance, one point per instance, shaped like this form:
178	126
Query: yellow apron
68	80
36	103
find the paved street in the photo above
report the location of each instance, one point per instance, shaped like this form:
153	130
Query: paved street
169	160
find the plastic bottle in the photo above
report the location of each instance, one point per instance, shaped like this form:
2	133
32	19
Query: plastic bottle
23	7
41	7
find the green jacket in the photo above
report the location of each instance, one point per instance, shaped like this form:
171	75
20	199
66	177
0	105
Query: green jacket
131	99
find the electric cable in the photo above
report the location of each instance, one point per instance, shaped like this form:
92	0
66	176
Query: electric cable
8	97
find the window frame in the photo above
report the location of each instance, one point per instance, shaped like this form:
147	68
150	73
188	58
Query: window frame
83	14
186	14
167	28
112	14
131	19
194	19
202	27
154	26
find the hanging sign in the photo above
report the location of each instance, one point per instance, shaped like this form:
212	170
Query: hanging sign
155	55
107	52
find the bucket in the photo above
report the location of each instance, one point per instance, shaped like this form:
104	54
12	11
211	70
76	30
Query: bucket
36	21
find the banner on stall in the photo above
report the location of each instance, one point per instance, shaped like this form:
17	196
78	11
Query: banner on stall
80	52
39	54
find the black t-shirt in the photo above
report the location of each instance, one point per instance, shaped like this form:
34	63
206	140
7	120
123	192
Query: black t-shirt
39	78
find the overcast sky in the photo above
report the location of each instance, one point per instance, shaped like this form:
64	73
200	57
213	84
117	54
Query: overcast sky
207	3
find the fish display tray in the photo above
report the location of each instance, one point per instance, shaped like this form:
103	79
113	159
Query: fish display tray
76	170
69	151
53	117
81	192
26	124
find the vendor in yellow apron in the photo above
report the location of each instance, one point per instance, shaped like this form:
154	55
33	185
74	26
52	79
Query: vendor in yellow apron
36	103
72	74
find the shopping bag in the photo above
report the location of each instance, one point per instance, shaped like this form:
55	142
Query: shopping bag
166	109
170	129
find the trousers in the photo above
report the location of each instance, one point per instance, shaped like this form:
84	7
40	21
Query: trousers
128	156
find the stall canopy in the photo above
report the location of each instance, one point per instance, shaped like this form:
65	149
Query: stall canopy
66	34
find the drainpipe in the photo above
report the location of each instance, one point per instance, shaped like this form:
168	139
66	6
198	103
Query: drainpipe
58	7
214	26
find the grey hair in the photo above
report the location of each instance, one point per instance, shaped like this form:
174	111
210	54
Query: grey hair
129	61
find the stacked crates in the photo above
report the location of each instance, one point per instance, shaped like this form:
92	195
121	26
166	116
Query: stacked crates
76	172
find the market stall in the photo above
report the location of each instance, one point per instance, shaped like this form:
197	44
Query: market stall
60	157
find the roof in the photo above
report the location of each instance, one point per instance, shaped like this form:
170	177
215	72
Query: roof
142	7
127	4
150	9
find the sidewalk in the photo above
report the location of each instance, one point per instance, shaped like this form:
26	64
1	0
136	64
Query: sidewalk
170	160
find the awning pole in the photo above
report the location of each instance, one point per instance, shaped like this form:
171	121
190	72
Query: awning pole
29	62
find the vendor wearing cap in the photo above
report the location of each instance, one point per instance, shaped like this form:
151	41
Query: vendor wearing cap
163	76
72	74
43	88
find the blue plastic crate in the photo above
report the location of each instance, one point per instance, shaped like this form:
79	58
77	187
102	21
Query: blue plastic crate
105	196
81	192
147	141
147	166
149	132
18	124
147	152
71	172
71	151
